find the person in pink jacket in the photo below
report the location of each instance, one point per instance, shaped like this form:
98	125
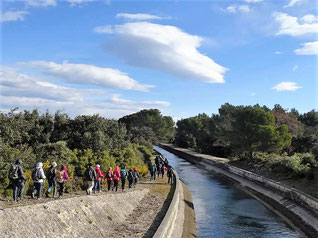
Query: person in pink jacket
116	177
98	179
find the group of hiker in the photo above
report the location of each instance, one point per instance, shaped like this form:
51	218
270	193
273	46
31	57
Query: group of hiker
92	177
160	167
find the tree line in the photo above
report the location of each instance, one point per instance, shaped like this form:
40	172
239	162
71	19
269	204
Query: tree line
283	138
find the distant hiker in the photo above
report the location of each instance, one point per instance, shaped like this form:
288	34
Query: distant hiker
109	177
153	172
17	179
98	180
116	177
130	178
166	163
158	168
157	160
50	176
135	176
162	170
37	177
61	179
89	178
123	176
169	174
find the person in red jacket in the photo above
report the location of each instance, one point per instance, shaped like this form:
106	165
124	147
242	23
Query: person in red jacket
116	177
99	176
109	177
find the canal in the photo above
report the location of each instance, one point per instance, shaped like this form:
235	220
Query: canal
222	210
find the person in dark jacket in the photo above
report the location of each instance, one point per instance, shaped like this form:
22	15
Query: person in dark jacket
153	172
169	174
50	176
90	177
162	170
130	178
18	181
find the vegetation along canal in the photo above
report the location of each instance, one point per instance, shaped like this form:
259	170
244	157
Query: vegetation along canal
223	210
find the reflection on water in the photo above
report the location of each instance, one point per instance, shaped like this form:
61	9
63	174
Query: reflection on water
224	211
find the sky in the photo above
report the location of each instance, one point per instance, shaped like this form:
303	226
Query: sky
115	58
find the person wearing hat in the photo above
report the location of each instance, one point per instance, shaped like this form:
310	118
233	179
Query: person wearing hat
50	175
99	176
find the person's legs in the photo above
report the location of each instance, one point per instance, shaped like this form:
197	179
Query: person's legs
40	186
54	188
14	190
108	184
50	182
123	181
61	189
20	189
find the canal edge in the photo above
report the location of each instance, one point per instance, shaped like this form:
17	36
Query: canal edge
303	218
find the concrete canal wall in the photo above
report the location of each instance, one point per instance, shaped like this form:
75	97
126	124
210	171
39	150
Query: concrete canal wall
300	210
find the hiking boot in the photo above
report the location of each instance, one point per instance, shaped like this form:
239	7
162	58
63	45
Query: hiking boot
47	195
32	195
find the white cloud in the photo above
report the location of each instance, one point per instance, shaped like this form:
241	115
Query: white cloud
253	1
89	74
309	18
290	26
164	48
41	3
13	16
286	86
278	52
293	3
238	8
310	48
103	29
295	67
78	2
27	92
137	17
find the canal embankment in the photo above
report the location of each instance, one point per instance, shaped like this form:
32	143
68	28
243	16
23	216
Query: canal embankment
297	208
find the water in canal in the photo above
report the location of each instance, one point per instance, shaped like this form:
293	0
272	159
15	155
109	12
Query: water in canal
224	211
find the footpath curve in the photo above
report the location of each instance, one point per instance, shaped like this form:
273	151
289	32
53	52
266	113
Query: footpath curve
298	209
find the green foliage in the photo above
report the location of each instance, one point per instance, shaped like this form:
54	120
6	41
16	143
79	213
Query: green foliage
162	127
32	138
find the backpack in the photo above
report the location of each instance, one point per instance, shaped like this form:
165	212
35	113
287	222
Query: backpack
36	175
115	175
13	172
109	174
50	173
153	169
89	174
130	175
97	174
60	176
123	173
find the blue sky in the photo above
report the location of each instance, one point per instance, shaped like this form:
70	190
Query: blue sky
182	57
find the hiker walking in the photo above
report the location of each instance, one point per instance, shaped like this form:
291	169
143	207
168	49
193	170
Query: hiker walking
116	177
130	178
169	175
37	177
123	176
162	170
135	176
50	176
16	177
158	162
61	179
98	180
89	178
152	172
109	177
